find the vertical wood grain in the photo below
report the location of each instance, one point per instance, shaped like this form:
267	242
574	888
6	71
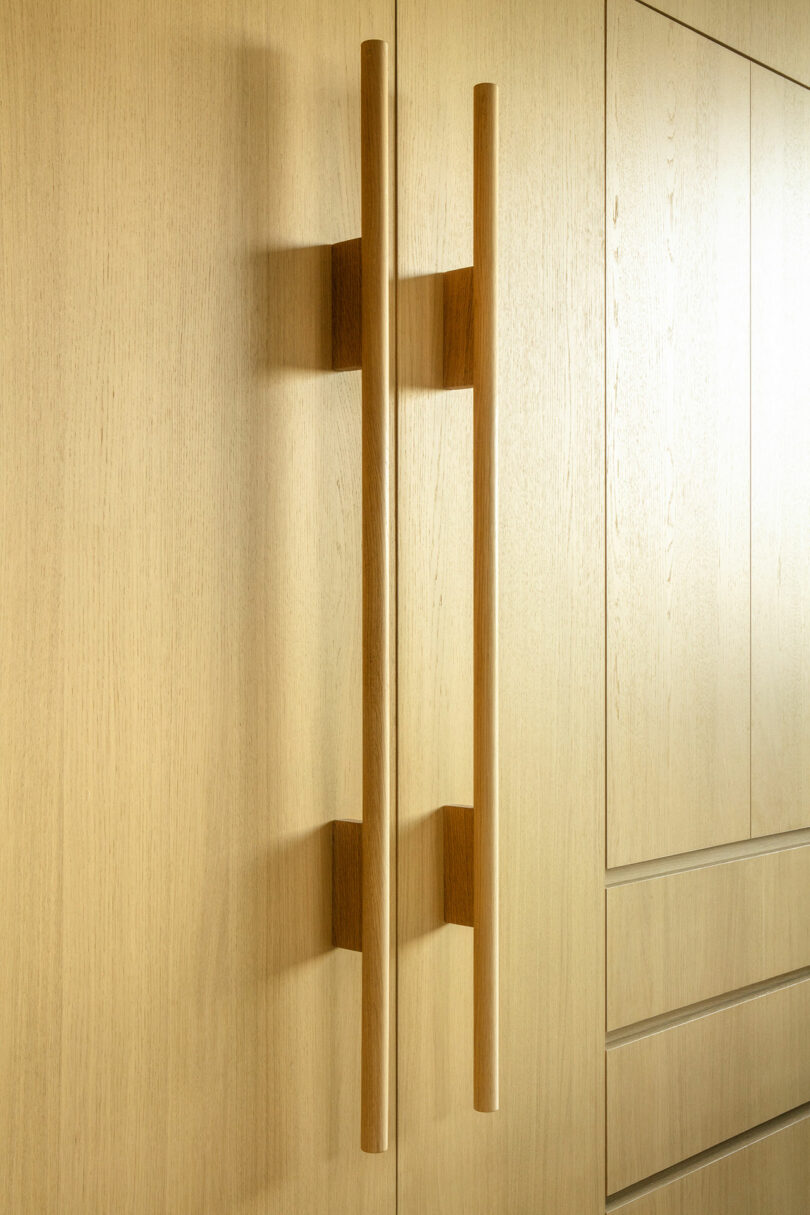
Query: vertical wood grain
33	425
678	439
774	32
180	625
548	62
780	454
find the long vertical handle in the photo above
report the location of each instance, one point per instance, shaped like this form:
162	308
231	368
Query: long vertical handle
376	881
485	599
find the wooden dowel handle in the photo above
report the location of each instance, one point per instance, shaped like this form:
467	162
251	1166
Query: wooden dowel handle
485	598
376	880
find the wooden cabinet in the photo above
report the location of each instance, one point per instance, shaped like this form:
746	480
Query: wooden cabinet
677	438
180	713
780	454
180	619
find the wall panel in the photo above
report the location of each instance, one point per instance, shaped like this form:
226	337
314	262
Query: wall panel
780	454
678	439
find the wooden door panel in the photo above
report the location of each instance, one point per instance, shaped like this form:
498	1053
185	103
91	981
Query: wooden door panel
678	439
780	454
547	60
180	629
32	442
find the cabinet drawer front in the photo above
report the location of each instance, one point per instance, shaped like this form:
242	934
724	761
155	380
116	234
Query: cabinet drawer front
674	1093
770	1174
686	937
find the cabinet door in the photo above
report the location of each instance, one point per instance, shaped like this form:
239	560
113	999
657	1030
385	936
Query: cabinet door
544	1150
780	455
678	438
180	613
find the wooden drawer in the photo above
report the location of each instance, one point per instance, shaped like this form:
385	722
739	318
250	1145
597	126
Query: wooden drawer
766	1175
675	940
680	1090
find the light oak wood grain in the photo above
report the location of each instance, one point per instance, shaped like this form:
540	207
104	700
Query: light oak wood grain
33	434
674	1093
678	439
770	1176
180	701
774	32
676	940
780	454
548	62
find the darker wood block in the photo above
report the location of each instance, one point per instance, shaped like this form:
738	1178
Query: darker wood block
347	903
346	332
458	328
458	864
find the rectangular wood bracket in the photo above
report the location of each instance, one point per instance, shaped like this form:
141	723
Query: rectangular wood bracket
458	328
347	868
346	281
458	864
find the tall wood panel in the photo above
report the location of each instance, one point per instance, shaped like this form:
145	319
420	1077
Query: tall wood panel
774	32
677	438
32	699
180	619
780	454
544	1150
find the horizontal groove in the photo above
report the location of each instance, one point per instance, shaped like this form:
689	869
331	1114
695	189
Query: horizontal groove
735	50
719	1151
702	858
692	1012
